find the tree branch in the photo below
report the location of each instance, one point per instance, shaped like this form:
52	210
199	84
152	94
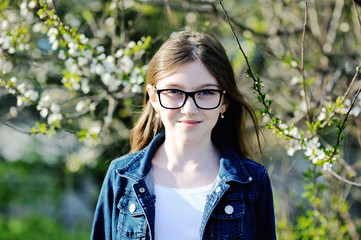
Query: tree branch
302	65
256	81
333	173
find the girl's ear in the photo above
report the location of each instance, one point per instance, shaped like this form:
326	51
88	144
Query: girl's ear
225	104
152	97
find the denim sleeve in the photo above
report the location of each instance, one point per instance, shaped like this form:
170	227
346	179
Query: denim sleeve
264	210
102	223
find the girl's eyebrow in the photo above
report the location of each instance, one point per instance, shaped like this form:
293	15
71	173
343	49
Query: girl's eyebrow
198	87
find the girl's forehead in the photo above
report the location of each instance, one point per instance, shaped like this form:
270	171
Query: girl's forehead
192	75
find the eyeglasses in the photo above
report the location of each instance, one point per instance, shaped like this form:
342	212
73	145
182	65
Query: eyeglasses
203	99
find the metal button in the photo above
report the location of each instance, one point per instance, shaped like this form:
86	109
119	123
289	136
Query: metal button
218	189
229	209
132	208
142	189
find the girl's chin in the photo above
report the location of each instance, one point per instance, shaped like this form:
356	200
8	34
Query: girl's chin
188	137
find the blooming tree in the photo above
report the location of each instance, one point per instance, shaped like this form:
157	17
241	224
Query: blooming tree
89	83
304	68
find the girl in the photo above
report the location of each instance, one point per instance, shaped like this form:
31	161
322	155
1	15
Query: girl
188	176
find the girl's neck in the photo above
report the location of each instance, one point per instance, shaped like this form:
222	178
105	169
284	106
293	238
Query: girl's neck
185	165
180	157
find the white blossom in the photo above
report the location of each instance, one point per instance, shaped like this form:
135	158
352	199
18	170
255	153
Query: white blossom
54	108
283	126
100	49
101	56
294	133
92	107
294	63
4	25
13	80
322	115
80	106
19	101
11	50
51	33
83	39
44	112
6	42
327	166
108	119
61	54
23	9
355	111
88	54
31	4
37	27
67	37
73	48
107	78
31	95
82	61
55	45
109	22
127	64
99	69
131	44
291	151
136	89
119	53
54	117
136	77
13	112
85	85
95	128
293	146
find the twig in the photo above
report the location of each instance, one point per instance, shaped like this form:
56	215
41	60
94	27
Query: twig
256	81
279	32
122	24
331	35
357	14
15	128
203	6
314	25
342	127
333	173
342	161
352	82
345	95
302	65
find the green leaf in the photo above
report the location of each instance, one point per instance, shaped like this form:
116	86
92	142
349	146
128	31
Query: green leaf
4	4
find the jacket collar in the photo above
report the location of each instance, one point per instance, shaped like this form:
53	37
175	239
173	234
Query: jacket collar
231	167
139	165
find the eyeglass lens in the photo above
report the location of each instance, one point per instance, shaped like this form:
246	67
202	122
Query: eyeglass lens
206	99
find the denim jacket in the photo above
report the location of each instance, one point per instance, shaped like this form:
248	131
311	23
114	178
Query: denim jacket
240	205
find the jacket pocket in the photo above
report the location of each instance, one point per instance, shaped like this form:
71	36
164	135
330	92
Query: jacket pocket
227	219
132	222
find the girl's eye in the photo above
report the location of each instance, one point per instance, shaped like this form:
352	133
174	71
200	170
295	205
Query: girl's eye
206	93
173	92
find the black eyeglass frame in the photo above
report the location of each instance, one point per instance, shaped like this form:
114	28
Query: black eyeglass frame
190	94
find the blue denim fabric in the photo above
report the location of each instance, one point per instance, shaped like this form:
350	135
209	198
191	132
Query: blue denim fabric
239	207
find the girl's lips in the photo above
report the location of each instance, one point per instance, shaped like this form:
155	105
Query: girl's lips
190	123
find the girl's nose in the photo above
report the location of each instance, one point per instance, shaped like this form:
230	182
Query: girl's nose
189	106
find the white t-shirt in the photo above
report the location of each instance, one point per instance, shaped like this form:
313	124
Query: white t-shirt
179	211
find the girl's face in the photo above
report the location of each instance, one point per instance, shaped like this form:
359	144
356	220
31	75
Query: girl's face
188	124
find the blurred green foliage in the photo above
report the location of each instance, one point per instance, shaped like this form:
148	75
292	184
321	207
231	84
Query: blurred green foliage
49	187
38	228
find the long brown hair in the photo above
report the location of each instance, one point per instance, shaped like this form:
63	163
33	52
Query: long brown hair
181	49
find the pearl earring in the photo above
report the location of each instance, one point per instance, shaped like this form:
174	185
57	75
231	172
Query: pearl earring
222	116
